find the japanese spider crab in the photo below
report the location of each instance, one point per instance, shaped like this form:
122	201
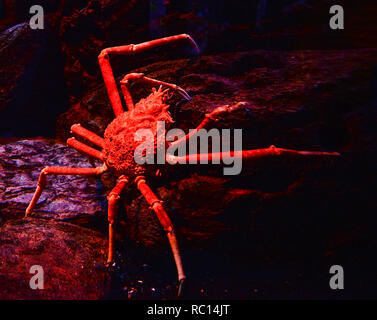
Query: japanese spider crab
118	144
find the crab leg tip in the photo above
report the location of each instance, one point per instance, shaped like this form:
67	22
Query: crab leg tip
183	93
180	287
196	47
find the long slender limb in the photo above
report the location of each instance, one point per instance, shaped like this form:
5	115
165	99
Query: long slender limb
108	78
59	170
247	155
165	221
107	71
140	77
113	198
89	135
127	95
209	120
136	48
79	146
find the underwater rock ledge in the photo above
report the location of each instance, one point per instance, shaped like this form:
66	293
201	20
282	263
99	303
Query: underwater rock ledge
66	198
72	259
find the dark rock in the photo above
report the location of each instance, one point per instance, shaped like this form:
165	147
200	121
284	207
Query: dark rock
84	28
73	260
93	26
276	211
295	101
290	198
31	80
292	218
13	12
305	24
305	100
229	206
299	99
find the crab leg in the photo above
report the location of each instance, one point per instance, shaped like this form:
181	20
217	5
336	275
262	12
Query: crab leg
209	120
166	223
108	78
140	77
79	146
247	155
113	198
59	170
89	135
136	48
107	72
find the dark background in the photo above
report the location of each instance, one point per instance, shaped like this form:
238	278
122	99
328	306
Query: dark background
57	65
279	242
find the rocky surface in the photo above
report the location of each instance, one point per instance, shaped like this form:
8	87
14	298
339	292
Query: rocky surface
72	259
201	218
31	79
275	211
65	65
66	198
298	99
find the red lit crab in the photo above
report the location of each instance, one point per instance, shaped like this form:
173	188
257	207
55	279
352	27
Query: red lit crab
118	145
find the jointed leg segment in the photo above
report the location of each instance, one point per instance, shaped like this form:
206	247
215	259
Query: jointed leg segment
89	135
246	155
59	170
136	48
165	221
140	77
213	117
209	120
113	198
107	72
79	146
